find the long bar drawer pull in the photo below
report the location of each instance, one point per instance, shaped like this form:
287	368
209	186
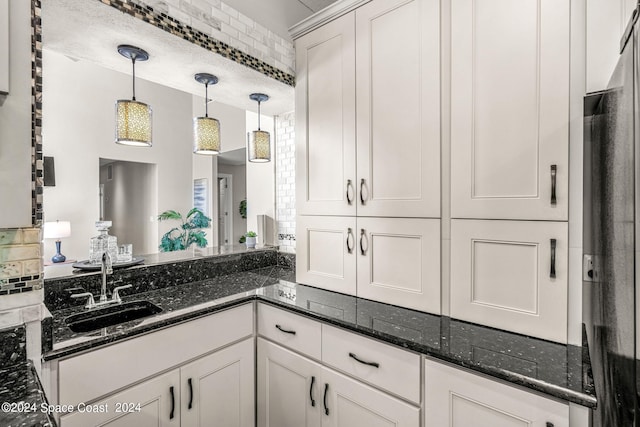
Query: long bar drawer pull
554	170
173	402
374	364
313	401
552	273
363	236
285	330
324	399
190	393
362	191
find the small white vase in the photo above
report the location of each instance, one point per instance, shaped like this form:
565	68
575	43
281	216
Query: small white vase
250	242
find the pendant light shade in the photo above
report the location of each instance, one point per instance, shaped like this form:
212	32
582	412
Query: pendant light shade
133	118
206	130
259	141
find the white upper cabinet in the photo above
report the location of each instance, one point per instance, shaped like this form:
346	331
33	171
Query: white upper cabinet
510	109
398	108
325	120
4	47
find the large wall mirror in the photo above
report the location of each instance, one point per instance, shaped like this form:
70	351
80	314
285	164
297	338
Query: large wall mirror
95	178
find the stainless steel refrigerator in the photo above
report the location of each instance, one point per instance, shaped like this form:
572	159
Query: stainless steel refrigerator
612	236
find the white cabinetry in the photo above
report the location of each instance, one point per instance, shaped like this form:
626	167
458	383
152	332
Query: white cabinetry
511	275
325	120
217	385
510	109
457	398
385	54
395	260
296	391
398	108
4	48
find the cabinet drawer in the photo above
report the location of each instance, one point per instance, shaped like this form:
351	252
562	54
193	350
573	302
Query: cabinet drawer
397	371
278	325
97	373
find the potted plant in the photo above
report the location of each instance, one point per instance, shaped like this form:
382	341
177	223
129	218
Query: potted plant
251	239
190	232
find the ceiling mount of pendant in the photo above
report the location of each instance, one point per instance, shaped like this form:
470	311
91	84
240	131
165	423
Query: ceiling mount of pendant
133	53
206	78
259	97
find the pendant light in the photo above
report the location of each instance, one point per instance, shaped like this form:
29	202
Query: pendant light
133	118
206	130
259	141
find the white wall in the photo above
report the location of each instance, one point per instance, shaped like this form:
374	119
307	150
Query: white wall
260	179
15	123
78	129
606	22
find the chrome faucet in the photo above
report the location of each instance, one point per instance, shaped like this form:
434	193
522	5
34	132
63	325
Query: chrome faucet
105	269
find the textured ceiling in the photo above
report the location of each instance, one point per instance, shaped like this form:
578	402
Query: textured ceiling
90	30
278	15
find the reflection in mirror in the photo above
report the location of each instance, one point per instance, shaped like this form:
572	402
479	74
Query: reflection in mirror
232	190
84	77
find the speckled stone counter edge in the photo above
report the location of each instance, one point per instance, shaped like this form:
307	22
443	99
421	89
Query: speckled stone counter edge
20	383
13	345
587	398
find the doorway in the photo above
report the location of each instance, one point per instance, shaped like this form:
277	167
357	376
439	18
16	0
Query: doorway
225	212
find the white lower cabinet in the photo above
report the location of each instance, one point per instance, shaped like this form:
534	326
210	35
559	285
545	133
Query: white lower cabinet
294	391
153	403
456	398
217	389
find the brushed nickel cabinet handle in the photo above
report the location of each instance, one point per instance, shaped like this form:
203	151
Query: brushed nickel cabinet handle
554	170
324	400
286	331
362	191
363	250
349	185
552	273
349	240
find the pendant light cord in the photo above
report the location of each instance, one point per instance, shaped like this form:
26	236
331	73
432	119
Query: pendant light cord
258	115
133	61
206	99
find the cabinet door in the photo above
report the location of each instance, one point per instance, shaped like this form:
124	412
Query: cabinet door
399	261
325	120
507	274
398	108
218	390
158	400
457	398
509	109
326	255
289	388
349	403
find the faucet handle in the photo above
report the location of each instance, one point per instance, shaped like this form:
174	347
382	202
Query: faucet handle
116	293
90	301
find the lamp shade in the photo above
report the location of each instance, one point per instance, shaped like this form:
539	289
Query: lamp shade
259	146
57	229
206	135
133	123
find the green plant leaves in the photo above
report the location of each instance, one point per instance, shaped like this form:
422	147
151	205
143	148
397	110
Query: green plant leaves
169	215
180	238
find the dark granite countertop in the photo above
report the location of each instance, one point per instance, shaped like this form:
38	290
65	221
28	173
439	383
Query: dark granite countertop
27	406
561	371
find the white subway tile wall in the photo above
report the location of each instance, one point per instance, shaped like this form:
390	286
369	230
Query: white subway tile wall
224	23
285	182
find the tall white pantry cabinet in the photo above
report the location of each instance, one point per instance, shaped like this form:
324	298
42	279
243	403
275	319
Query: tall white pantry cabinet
371	106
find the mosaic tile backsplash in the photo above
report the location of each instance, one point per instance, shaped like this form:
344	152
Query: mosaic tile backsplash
20	260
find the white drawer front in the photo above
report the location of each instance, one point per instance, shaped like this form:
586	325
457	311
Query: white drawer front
290	330
97	373
398	371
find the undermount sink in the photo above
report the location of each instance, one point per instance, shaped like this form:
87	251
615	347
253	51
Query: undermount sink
92	320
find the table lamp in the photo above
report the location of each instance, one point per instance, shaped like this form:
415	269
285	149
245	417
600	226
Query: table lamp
57	230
